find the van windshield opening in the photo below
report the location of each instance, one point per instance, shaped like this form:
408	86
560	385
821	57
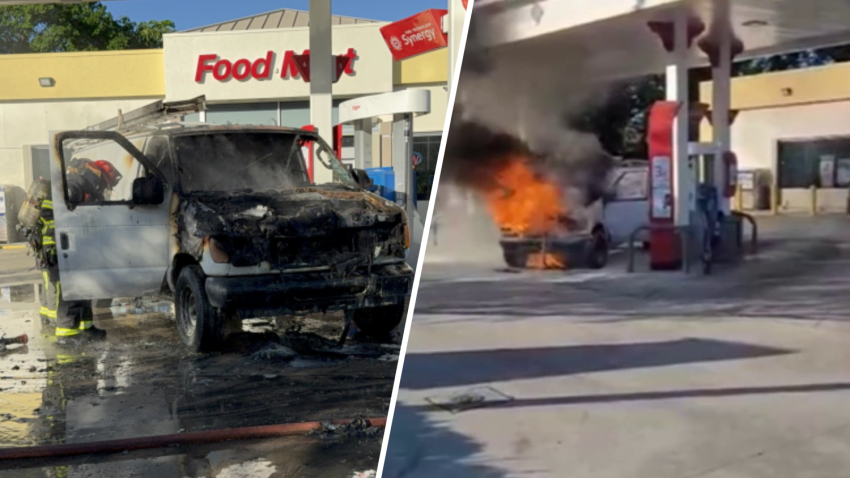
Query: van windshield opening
256	161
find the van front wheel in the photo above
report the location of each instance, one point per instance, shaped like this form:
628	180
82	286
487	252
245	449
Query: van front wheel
199	324
379	321
597	250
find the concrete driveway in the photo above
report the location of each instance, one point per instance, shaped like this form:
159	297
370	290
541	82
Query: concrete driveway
648	375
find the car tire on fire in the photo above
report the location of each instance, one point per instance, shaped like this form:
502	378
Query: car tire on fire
378	321
597	250
199	324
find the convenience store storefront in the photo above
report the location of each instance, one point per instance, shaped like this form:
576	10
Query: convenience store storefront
62	91
250	77
85	88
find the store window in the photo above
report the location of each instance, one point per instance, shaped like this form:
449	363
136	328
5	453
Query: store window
824	163
428	147
243	114
293	114
296	114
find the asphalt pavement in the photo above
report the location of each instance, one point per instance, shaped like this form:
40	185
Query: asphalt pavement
602	374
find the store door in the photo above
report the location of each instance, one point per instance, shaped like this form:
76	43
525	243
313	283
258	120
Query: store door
40	161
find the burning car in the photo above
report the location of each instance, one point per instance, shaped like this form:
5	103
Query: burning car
542	229
229	222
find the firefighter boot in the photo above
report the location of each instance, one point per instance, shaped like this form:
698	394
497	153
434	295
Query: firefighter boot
86	336
79	319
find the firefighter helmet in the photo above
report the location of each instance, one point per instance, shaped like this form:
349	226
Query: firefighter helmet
110	174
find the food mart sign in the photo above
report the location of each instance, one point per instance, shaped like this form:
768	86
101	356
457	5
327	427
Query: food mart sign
259	65
213	66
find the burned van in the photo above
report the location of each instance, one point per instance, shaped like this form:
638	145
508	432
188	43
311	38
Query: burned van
230	221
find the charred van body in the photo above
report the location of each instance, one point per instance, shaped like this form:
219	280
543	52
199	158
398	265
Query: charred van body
249	232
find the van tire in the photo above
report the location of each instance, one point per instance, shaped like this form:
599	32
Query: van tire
379	321
516	259
597	250
199	324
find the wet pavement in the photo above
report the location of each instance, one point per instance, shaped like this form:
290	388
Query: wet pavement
141	382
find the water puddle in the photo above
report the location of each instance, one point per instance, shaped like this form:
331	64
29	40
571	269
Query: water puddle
142	382
141	306
259	468
18	413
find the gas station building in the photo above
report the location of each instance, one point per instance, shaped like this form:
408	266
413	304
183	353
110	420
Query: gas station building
244	68
793	126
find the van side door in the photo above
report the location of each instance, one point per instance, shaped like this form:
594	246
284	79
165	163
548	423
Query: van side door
627	208
111	248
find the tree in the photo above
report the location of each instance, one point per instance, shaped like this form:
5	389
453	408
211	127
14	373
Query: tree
74	27
620	123
793	61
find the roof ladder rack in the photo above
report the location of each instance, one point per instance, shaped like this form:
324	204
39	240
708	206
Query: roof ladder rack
154	113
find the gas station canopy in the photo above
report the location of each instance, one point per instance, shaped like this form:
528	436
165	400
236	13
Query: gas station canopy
613	39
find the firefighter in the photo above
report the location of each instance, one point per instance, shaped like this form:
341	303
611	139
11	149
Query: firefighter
87	181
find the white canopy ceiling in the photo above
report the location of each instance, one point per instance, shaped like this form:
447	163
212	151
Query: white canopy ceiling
613	40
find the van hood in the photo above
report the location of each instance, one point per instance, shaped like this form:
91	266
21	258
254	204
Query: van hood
303	227
299	212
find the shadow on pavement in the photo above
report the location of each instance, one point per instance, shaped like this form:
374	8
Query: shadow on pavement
452	369
664	395
419	448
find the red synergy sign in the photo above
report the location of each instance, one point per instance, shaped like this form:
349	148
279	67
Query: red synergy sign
263	68
415	35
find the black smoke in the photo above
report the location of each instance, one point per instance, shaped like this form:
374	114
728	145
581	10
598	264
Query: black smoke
510	105
475	153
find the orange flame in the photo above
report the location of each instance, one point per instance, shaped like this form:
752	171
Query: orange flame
524	203
546	260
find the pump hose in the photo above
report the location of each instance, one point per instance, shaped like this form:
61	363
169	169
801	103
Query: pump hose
163	441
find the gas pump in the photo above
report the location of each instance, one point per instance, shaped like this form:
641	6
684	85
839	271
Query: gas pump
717	235
664	247
402	106
730	162
338	141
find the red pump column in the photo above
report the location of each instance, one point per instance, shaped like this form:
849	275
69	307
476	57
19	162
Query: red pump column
677	35
665	248
338	141
307	151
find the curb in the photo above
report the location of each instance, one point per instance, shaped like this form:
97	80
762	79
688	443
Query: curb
12	246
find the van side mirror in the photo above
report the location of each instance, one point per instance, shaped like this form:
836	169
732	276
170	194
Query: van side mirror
148	192
362	178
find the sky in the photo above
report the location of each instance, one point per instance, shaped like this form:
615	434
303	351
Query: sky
187	14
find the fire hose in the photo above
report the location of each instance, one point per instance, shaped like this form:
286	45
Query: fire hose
164	441
19	340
